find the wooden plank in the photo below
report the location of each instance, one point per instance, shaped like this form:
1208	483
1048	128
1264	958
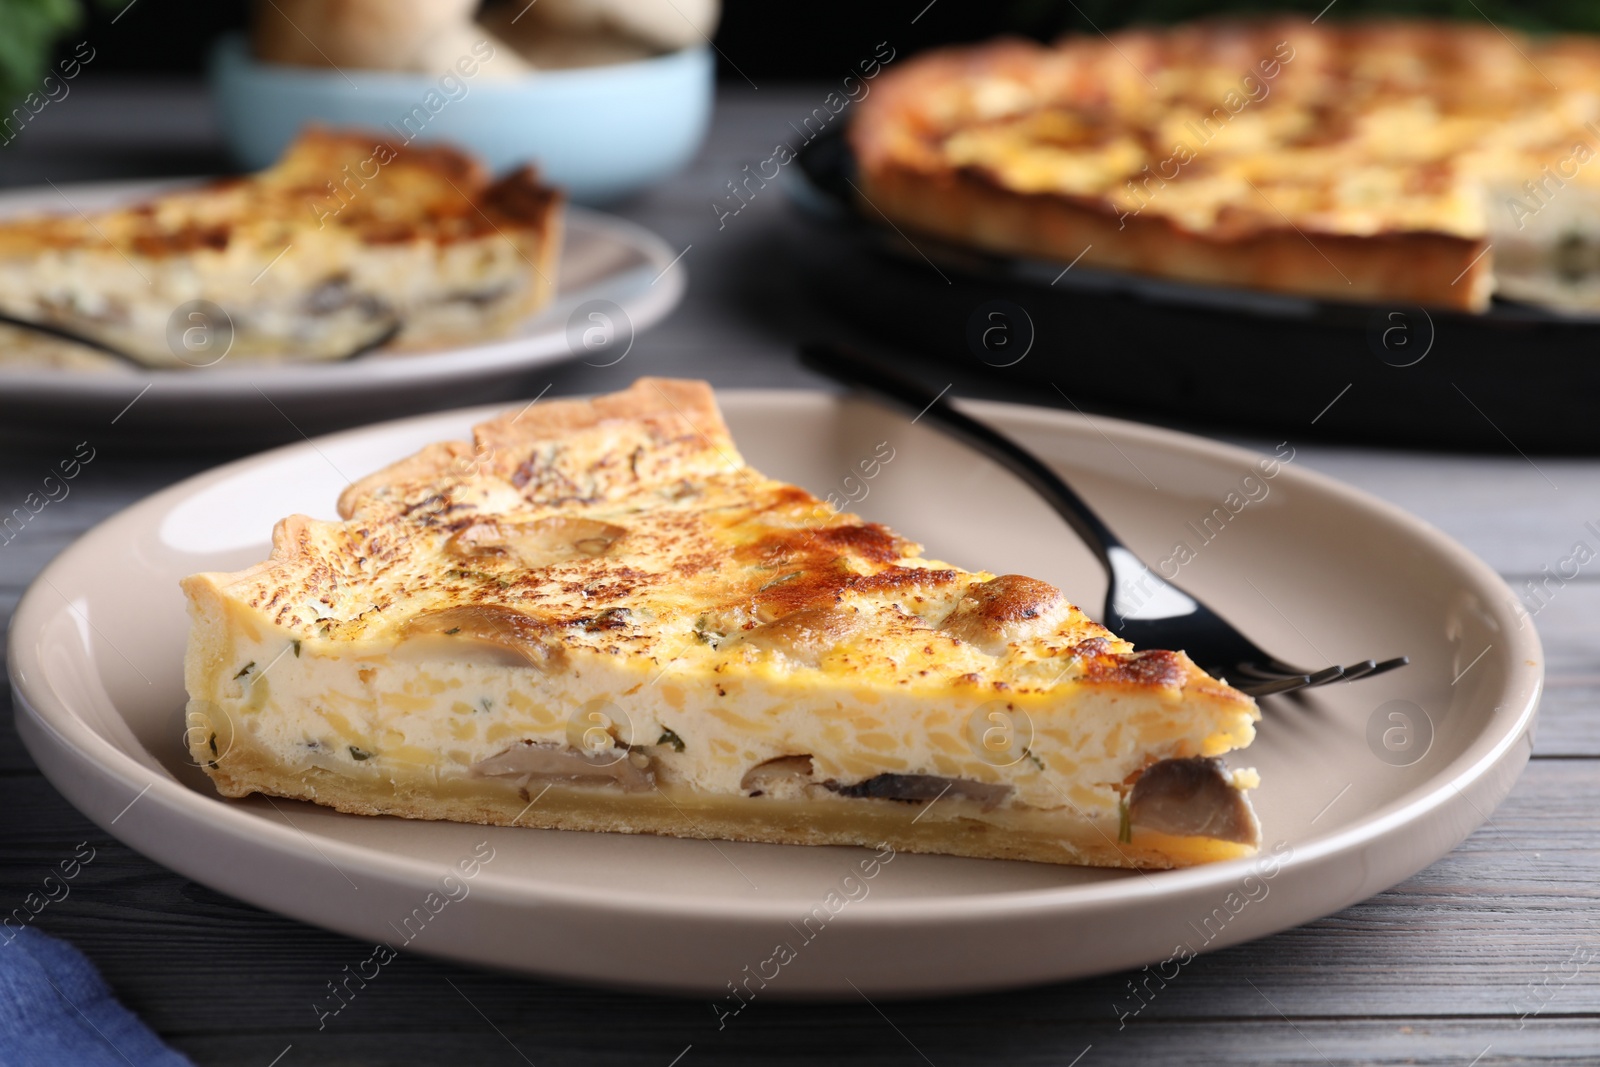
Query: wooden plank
1569	718
1518	514
977	1033
1568	621
1489	931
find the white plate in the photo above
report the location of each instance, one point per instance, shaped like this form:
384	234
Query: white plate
602	258
95	655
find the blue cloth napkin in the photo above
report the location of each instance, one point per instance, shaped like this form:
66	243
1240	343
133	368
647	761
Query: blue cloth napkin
56	1010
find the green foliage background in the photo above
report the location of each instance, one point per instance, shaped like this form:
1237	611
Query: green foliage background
29	30
1049	18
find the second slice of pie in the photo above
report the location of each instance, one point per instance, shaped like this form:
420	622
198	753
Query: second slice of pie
595	616
347	242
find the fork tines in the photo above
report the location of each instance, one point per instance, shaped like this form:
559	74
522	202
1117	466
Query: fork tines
1267	680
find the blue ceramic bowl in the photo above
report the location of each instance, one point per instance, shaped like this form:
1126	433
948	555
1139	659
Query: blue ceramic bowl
600	133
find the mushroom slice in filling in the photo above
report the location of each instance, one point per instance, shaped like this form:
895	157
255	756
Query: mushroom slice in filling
540	543
488	632
546	761
1192	797
788	777
924	787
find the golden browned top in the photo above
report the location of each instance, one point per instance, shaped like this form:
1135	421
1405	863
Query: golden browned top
629	526
365	186
1230	128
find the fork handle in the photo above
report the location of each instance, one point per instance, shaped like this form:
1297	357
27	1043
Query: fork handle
858	370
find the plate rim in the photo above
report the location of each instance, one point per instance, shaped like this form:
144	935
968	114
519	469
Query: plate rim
313	378
1447	787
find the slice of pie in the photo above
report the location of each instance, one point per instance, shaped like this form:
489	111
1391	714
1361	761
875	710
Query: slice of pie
1393	161
594	616
349	241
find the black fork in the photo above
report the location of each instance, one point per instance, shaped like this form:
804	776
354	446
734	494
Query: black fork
1141	607
389	333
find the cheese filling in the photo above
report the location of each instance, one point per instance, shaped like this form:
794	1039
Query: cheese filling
397	712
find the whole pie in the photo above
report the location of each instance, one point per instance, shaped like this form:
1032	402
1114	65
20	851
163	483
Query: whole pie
1433	163
595	616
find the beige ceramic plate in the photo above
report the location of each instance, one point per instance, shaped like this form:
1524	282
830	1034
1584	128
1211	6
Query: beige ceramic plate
608	265
1362	784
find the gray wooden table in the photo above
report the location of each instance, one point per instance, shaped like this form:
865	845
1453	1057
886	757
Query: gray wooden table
1474	961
